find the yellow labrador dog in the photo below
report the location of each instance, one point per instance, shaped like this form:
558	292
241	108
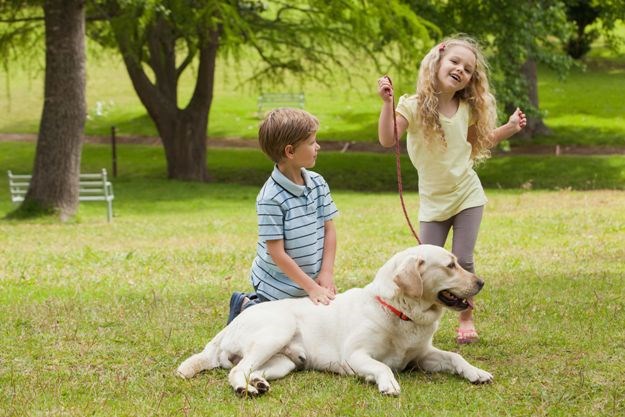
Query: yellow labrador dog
372	331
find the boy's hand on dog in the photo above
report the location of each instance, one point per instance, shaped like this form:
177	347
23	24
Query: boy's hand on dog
321	295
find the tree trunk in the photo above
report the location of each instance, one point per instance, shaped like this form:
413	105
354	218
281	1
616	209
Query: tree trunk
535	125
182	131
183	134
54	185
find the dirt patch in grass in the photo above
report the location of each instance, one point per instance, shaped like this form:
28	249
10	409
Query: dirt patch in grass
342	146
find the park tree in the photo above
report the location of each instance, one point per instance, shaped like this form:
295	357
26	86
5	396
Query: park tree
591	19
583	13
517	35
56	169
159	40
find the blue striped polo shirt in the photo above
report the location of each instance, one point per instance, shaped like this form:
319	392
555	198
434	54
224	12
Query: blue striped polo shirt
296	214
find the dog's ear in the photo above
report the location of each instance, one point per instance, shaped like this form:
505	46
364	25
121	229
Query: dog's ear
408	278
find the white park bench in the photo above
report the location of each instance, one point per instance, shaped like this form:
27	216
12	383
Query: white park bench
268	101
93	187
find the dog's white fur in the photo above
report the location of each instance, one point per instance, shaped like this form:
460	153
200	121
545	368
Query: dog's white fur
355	334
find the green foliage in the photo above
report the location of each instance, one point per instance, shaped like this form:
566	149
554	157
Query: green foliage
593	18
582	13
311	39
511	33
21	29
21	34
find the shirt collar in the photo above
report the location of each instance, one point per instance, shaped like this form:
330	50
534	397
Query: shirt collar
289	185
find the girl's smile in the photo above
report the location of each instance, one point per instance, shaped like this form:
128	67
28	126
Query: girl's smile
455	69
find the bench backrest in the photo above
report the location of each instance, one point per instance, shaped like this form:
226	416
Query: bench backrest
18	185
268	101
92	187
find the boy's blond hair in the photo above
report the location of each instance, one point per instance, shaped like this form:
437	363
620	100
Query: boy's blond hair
285	126
476	93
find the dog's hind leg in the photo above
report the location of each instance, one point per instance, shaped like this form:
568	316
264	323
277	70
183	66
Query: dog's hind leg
206	359
295	351
276	367
263	354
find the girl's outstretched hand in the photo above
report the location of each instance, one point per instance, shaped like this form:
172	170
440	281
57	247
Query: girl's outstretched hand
385	88
517	120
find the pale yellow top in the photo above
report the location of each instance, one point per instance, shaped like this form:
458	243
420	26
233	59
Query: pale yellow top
447	182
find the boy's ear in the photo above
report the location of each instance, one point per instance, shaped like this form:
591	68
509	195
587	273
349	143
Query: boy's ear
289	150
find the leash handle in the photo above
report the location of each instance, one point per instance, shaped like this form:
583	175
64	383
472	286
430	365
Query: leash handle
400	186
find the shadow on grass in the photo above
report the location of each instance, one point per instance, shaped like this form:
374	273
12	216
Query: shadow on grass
554	172
376	173
582	136
371	172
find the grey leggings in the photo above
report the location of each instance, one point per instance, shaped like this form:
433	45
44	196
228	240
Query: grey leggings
466	224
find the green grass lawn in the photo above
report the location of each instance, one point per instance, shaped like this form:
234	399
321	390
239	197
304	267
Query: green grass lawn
95	317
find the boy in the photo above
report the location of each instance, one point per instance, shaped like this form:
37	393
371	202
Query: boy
296	236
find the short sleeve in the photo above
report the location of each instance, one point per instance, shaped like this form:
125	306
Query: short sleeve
407	107
471	116
329	208
270	220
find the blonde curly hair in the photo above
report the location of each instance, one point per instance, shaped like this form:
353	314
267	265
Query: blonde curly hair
476	94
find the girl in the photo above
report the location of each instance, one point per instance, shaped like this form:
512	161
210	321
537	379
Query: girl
451	125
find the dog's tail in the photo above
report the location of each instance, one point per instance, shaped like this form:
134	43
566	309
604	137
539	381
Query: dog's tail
206	359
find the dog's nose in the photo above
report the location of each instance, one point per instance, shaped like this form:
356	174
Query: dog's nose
480	283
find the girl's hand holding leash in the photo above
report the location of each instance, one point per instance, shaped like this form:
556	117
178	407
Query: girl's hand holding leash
385	89
517	120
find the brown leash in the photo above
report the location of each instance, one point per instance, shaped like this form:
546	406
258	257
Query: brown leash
400	186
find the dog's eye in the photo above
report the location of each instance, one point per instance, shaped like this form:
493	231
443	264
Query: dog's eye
451	265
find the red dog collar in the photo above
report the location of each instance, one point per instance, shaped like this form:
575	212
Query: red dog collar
393	309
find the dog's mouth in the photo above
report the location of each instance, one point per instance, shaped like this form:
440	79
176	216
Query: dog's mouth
453	301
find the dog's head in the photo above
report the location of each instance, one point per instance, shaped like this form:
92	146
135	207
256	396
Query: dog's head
432	274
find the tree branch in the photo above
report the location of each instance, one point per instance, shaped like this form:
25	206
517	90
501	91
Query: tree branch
22	19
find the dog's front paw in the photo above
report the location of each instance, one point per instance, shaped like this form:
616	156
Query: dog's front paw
389	386
260	384
253	388
246	391
478	376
